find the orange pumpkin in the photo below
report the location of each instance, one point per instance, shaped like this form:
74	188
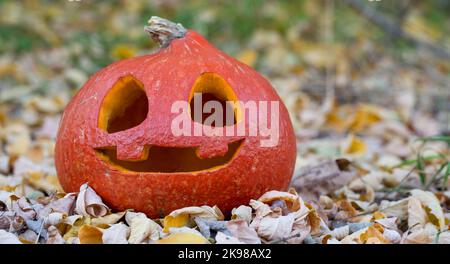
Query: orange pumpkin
116	132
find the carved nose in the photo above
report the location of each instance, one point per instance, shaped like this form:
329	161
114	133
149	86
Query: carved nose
132	152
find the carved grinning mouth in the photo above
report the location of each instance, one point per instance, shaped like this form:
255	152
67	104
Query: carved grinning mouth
170	159
126	106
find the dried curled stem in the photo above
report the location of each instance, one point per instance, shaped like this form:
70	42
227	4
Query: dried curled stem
163	31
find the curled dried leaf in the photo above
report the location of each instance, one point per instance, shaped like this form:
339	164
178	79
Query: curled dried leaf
242	212
89	203
23	208
274	228
261	209
291	199
108	219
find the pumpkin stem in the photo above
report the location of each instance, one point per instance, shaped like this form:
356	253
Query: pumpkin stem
163	31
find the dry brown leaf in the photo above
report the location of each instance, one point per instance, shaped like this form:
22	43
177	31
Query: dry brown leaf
116	234
8	238
388	223
242	212
374	235
28	237
340	232
392	236
261	209
89	203
274	228
314	220
416	214
432	207
240	230
142	229
397	209
183	238
369	235
54	237
300	230
130	215
90	235
290	199
108	219
222	238
182	217
417	236
321	179
23	208
54	219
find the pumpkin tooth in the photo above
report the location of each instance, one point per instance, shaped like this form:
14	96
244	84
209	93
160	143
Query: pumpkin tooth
211	150
132	152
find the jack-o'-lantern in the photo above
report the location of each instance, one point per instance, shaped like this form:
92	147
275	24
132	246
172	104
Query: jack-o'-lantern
117	132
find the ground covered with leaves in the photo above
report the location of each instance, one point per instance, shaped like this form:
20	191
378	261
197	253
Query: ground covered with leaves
371	120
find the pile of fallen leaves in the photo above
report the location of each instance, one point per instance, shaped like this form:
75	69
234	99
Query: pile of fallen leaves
276	217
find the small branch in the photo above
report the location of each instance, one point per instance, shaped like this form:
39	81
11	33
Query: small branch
163	31
392	29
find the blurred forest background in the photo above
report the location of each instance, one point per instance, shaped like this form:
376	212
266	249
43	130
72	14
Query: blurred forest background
339	65
52	47
367	85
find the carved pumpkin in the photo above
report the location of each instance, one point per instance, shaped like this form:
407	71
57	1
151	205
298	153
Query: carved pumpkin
116	132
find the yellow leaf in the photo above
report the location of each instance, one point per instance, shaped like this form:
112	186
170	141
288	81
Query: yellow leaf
353	118
354	146
378	215
90	235
183	238
364	117
177	221
432	207
374	235
123	51
107	219
181	217
247	56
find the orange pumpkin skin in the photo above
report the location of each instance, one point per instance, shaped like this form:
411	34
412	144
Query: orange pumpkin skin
167	76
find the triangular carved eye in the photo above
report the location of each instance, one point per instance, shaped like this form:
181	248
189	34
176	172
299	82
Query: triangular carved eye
124	106
213	88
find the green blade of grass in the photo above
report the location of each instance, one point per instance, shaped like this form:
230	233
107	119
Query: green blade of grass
436	138
414	161
421	168
435	177
446	175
